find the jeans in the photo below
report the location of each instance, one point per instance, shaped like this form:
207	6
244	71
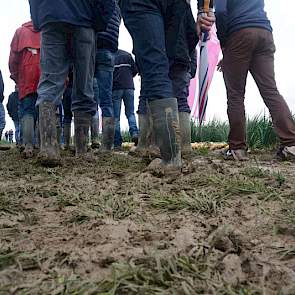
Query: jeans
149	46
104	70
17	131
127	95
180	76
63	44
252	50
164	39
27	106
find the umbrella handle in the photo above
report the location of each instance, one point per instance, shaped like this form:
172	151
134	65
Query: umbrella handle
206	6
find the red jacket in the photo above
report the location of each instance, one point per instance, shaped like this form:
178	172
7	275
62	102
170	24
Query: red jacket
24	60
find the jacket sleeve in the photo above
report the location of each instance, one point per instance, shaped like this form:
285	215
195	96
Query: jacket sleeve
221	20
14	58
1	88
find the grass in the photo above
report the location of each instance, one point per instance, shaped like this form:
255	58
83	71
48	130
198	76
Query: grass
260	134
204	202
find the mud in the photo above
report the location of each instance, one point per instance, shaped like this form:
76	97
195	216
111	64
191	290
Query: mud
113	227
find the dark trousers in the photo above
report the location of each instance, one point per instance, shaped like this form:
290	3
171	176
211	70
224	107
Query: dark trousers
63	44
180	76
252	50
157	30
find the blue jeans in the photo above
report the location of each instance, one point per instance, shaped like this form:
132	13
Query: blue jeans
63	44
127	95
17	131
27	106
104	69
180	76
149	45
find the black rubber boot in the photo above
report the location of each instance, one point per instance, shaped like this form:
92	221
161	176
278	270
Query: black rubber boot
82	124
49	150
166	128
108	134
95	132
28	129
185	132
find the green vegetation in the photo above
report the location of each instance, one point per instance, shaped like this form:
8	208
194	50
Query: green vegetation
260	134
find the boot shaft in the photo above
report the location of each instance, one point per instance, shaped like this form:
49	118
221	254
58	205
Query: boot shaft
166	128
185	131
108	133
82	124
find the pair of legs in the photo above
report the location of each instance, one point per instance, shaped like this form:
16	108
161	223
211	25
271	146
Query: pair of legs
2	119
252	50
62	45
127	96
152	58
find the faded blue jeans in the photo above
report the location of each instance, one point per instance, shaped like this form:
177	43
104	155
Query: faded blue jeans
127	96
104	69
63	44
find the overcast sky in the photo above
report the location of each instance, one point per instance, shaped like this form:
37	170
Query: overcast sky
15	12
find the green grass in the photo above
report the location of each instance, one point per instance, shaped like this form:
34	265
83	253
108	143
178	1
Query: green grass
204	202
260	134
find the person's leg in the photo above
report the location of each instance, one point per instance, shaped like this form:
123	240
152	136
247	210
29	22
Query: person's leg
128	98
117	102
68	115
236	63
262	70
151	57
83	103
104	74
17	132
54	71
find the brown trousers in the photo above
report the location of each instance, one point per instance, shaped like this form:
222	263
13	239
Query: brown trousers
252	50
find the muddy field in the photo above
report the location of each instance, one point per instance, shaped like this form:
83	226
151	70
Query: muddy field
110	227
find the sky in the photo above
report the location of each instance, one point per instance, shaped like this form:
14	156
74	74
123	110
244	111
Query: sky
13	13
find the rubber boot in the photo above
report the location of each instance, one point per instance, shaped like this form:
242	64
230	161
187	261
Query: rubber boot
95	132
185	131
165	117
82	124
67	136
49	150
108	134
144	132
28	126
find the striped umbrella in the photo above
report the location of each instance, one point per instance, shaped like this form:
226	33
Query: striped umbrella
203	71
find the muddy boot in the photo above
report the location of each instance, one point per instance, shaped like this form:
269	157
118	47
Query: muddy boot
144	133
28	126
49	155
167	131
67	136
82	124
95	132
185	131
108	133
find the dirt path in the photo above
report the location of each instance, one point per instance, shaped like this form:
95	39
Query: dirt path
110	228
